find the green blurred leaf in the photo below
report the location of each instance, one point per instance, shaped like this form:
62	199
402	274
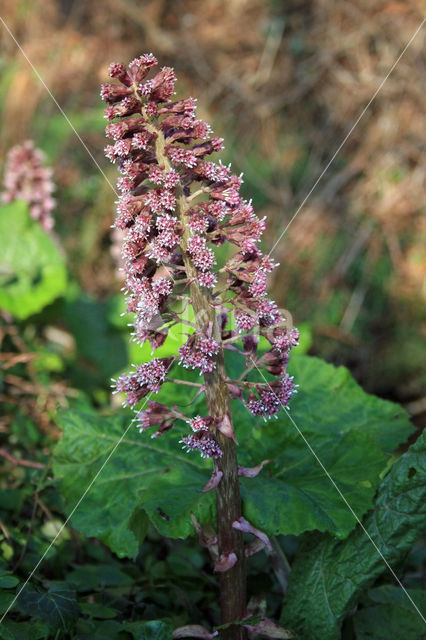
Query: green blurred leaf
57	606
393	617
57	131
6	598
100	629
97	610
85	578
33	630
7	580
153	630
153	475
139	524
25	430
328	576
32	271
98	342
6	634
112	576
12	499
305	340
51	528
115	308
48	361
6	550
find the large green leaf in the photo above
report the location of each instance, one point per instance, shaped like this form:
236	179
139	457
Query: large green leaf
33	630
294	494
57	606
153	475
291	495
331	402
328	575
32	270
392	615
348	430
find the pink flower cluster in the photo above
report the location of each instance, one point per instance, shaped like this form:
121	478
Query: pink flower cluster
203	439
147	377
198	353
25	178
176	206
271	397
159	415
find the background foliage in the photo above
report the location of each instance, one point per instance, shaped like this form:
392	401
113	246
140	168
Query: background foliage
282	84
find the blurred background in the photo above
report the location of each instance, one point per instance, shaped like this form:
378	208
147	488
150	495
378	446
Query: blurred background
282	82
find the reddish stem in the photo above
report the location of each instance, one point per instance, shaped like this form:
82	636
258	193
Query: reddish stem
228	501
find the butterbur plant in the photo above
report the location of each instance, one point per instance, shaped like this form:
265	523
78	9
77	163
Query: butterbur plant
177	207
25	178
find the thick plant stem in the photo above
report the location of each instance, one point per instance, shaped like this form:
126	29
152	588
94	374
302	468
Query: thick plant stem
233	581
228	501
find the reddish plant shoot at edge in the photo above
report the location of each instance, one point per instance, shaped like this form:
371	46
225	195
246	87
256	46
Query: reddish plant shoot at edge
175	207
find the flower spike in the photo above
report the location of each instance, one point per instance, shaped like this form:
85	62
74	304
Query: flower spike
177	205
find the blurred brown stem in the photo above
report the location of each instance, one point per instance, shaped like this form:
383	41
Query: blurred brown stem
21	463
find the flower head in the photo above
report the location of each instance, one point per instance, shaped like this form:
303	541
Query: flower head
178	204
25	178
204	442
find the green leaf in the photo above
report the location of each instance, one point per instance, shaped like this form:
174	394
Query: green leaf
98	610
112	576
32	270
85	578
153	475
296	495
393	617
57	606
331	402
100	629
153	478
6	598
153	630
305	339
328	576
6	634
139	524
7	580
33	630
97	341
348	430
12	499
